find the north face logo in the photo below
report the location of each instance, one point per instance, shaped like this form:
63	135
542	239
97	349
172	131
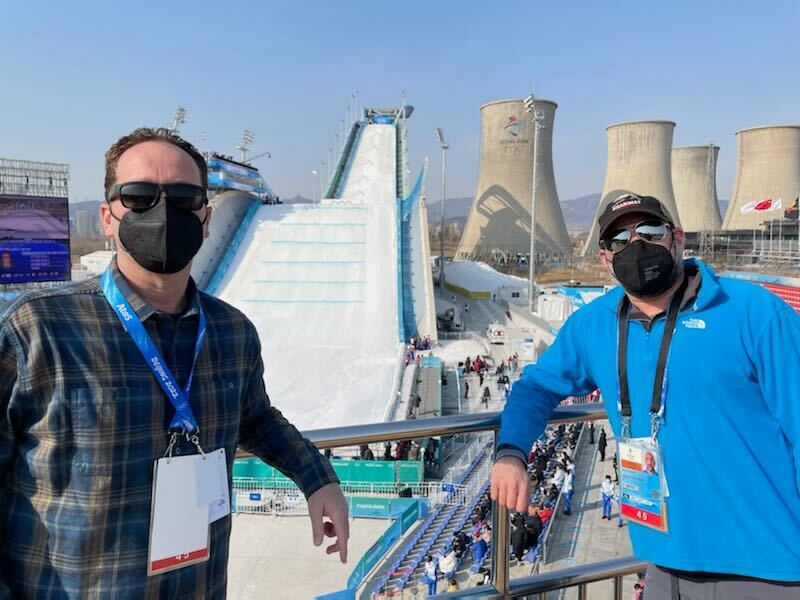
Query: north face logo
694	324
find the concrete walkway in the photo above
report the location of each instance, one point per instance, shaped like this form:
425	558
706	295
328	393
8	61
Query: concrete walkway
586	537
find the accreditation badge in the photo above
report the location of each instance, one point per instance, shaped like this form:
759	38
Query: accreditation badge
189	493
642	483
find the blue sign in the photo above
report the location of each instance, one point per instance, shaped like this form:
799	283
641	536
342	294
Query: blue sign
255	496
448	487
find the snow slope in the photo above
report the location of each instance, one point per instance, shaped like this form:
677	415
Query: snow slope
320	284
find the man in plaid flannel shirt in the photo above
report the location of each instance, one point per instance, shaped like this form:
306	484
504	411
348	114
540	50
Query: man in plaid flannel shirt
82	417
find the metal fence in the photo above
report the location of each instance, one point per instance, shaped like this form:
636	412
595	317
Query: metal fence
279	497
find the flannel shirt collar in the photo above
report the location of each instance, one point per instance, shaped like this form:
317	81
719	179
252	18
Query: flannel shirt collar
143	309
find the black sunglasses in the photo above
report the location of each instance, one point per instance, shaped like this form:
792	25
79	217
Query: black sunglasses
142	195
651	231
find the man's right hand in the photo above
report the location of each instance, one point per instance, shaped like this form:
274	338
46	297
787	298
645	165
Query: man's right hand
510	484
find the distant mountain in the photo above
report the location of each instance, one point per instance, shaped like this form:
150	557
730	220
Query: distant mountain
579	212
298	199
454	208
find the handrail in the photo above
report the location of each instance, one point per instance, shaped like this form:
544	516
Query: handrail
501	586
578	575
353	435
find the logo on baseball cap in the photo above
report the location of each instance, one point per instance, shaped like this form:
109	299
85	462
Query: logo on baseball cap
632	203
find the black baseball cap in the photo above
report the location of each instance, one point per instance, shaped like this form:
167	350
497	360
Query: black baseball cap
632	203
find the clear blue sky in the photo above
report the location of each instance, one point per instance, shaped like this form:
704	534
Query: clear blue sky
77	75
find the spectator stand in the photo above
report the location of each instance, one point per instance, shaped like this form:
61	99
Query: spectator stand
430	535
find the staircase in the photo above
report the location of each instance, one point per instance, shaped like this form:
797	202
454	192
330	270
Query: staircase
436	532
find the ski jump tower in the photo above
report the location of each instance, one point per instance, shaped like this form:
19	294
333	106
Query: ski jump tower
500	218
638	163
767	168
694	180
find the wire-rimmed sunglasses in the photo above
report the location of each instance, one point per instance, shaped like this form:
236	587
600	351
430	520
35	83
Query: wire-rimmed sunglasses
143	195
650	230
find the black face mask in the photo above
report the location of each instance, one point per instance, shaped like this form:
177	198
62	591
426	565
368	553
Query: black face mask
162	239
645	269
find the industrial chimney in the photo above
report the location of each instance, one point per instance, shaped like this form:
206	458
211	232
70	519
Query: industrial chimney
694	181
639	163
767	175
499	221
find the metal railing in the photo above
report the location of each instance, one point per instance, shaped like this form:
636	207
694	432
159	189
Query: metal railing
501	586
281	497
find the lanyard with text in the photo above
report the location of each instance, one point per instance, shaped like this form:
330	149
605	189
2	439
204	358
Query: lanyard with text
183	421
643	483
658	402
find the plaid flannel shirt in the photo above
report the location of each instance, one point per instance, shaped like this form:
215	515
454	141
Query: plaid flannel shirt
82	418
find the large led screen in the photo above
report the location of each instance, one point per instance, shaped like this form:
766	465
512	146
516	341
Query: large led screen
34	239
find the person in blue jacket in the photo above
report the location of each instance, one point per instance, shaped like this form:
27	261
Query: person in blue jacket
719	390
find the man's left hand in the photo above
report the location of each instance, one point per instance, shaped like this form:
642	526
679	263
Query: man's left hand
328	501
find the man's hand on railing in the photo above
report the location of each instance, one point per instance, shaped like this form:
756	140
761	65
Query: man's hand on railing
510	484
328	501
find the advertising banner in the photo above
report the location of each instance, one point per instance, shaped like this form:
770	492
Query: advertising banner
34	239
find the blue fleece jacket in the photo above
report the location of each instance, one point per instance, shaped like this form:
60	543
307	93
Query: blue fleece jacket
731	437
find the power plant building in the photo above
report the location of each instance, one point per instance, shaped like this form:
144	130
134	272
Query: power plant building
767	175
639	163
694	182
500	218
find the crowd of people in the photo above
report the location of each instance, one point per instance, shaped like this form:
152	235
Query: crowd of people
480	367
415	346
551	469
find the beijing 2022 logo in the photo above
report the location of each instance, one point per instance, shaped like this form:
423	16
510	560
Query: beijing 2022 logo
513	126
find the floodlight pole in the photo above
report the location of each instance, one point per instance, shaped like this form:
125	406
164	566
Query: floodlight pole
313	186
530	106
444	146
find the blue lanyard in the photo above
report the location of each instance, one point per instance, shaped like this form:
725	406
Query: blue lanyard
183	420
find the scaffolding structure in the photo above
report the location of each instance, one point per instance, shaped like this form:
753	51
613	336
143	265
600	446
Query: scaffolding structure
32	178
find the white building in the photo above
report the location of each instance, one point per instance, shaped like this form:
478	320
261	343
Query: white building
96	262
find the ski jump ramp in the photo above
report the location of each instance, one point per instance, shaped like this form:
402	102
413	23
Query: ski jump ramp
320	283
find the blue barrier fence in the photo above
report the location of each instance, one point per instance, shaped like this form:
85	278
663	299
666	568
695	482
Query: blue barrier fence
345	162
371	557
226	261
405	512
405	299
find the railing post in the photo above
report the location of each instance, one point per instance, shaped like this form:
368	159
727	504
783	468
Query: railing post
500	544
618	588
582	592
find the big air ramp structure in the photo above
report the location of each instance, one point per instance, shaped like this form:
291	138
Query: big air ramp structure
322	282
500	219
767	168
694	181
638	163
230	208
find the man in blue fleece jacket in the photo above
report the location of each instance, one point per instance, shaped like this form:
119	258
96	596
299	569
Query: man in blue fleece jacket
725	405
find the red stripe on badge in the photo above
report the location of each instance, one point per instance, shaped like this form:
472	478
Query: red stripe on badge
629	464
641	516
165	563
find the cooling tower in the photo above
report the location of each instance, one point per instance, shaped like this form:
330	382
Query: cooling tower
500	218
767	168
638	162
694	181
